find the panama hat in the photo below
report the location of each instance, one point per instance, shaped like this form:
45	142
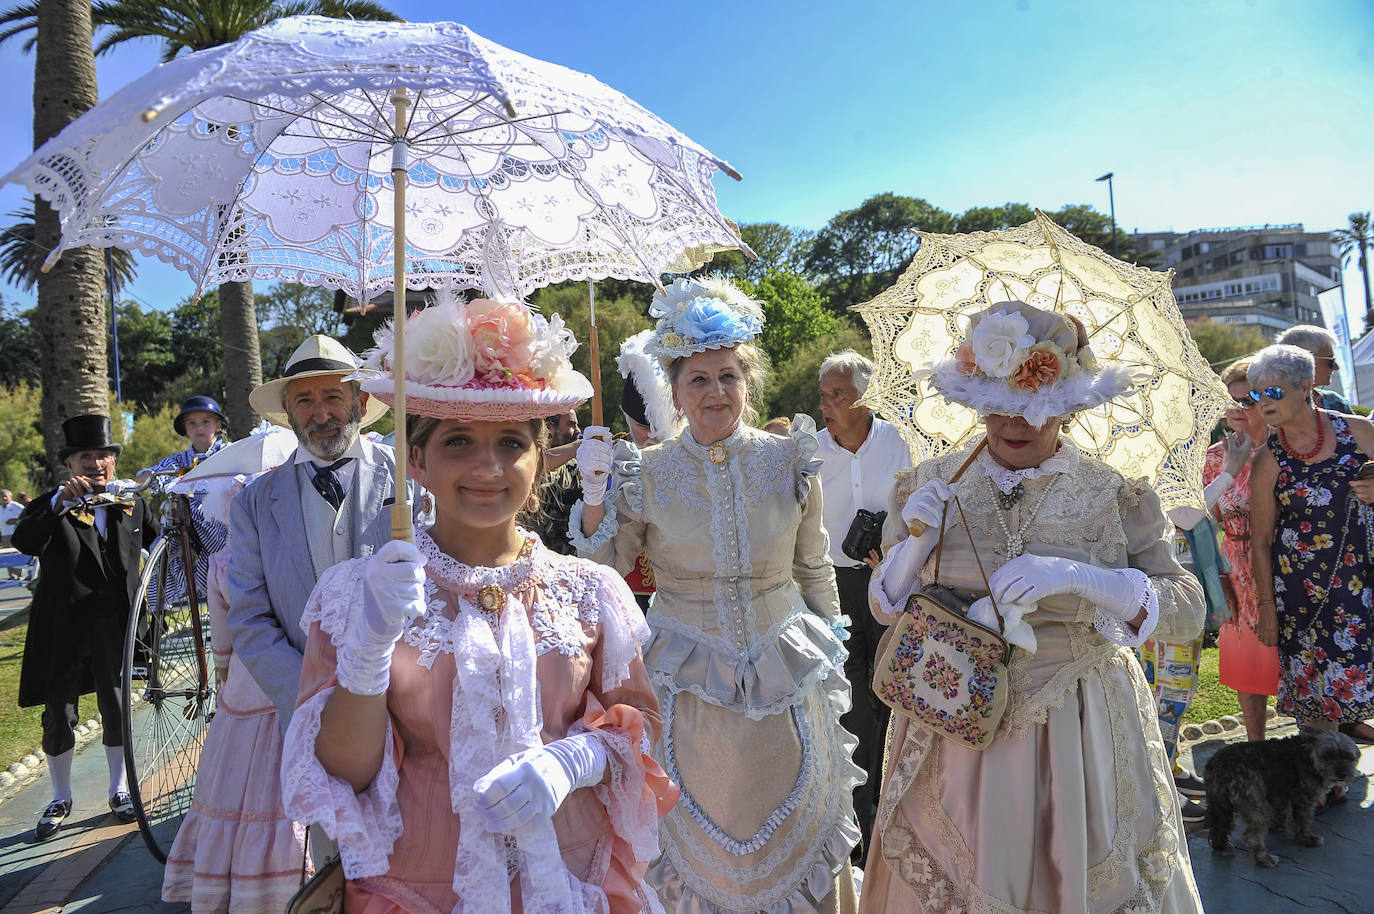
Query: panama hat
319	355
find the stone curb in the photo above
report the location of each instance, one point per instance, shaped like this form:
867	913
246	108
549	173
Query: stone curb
1192	733
32	764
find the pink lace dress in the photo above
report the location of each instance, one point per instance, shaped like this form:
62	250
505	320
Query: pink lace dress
236	851
469	689
1243	663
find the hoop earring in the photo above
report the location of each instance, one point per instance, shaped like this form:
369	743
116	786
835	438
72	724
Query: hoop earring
532	503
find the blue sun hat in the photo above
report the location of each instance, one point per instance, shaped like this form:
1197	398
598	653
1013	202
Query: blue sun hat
701	314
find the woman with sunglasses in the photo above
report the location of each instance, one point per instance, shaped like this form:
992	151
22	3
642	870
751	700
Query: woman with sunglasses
1246	664
1311	546
1322	344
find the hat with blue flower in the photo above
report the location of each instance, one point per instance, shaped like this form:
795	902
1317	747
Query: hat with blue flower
700	314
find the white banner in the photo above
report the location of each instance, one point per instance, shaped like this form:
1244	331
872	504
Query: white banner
1333	312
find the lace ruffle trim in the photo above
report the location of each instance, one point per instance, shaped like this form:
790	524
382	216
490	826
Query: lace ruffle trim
601	537
365	825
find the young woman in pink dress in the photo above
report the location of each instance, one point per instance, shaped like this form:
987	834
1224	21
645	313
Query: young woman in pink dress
1245	664
474	719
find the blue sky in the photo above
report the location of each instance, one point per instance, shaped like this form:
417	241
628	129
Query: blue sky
1210	113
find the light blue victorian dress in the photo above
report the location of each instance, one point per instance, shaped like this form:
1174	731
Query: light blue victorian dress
747	665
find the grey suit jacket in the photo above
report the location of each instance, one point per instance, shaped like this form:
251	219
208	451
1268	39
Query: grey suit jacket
270	572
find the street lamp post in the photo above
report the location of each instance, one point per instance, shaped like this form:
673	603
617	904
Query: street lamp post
1111	200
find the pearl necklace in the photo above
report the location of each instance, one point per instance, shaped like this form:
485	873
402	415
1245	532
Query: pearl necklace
1016	542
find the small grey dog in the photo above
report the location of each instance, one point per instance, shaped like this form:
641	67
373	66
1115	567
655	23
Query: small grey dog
1275	784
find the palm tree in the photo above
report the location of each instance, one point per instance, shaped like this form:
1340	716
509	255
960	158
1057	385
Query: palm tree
1353	240
194	25
21	259
71	297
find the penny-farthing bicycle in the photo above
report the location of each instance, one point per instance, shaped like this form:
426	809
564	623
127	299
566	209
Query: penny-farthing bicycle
168	681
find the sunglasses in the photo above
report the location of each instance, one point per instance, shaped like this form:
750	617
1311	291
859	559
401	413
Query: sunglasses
1273	393
1244	402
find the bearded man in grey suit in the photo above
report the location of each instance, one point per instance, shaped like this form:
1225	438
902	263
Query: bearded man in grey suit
296	521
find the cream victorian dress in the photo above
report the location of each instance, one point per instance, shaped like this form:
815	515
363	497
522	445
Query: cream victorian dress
747	666
1072	807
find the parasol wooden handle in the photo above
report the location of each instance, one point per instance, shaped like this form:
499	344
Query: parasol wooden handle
402	527
916	527
594	371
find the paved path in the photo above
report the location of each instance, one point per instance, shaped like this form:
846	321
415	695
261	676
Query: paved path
97	866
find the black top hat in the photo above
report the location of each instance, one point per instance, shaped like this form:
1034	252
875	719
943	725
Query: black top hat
87	433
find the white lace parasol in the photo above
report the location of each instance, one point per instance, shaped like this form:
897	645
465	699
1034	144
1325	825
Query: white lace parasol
1158	430
272	157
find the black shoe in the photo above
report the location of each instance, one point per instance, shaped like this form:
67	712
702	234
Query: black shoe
53	816
1189	784
1192	812
122	805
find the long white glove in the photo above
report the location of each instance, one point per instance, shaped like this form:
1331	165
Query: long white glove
529	786
1031	578
393	591
904	560
594	463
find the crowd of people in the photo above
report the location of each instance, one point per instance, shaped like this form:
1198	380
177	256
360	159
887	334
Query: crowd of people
636	673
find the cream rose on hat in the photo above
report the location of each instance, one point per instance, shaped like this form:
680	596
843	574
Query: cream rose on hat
482	360
1000	343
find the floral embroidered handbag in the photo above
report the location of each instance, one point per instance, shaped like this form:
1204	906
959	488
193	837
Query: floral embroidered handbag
941	669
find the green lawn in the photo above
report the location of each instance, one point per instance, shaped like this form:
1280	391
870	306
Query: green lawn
20	731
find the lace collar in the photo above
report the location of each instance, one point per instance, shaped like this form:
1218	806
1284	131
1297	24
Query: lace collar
469	579
731	445
1064	460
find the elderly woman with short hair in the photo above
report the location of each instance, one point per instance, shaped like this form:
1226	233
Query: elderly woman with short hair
1311	546
1322	344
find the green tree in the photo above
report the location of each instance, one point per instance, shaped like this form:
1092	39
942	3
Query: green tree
1096	229
287	315
152	439
21	258
861	251
194	25
795	385
198	350
71	297
22	463
617	317
1222	344
147	356
779	247
794	313
18	346
1355	241
993	218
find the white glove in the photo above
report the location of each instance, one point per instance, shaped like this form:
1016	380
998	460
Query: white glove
927	504
1031	578
120	486
1015	629
594	463
529	786
904	560
393	591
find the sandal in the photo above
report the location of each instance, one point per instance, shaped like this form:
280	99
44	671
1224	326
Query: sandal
1359	731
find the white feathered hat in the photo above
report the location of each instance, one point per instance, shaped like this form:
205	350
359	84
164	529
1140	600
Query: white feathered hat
1018	360
647	396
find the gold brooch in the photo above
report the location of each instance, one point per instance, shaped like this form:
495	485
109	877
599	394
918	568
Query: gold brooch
718	453
492	598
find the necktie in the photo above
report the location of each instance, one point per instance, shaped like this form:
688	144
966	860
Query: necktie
327	484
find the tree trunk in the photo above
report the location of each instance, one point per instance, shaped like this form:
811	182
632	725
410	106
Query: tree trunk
238	327
1364	273
72	323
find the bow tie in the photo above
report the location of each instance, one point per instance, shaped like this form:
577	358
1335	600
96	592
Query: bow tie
327	484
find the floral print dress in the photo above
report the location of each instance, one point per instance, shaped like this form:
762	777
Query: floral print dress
1322	549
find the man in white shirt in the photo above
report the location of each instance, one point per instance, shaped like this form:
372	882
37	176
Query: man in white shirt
861	454
9	516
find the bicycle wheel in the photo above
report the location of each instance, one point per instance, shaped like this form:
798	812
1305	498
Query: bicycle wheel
168	701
